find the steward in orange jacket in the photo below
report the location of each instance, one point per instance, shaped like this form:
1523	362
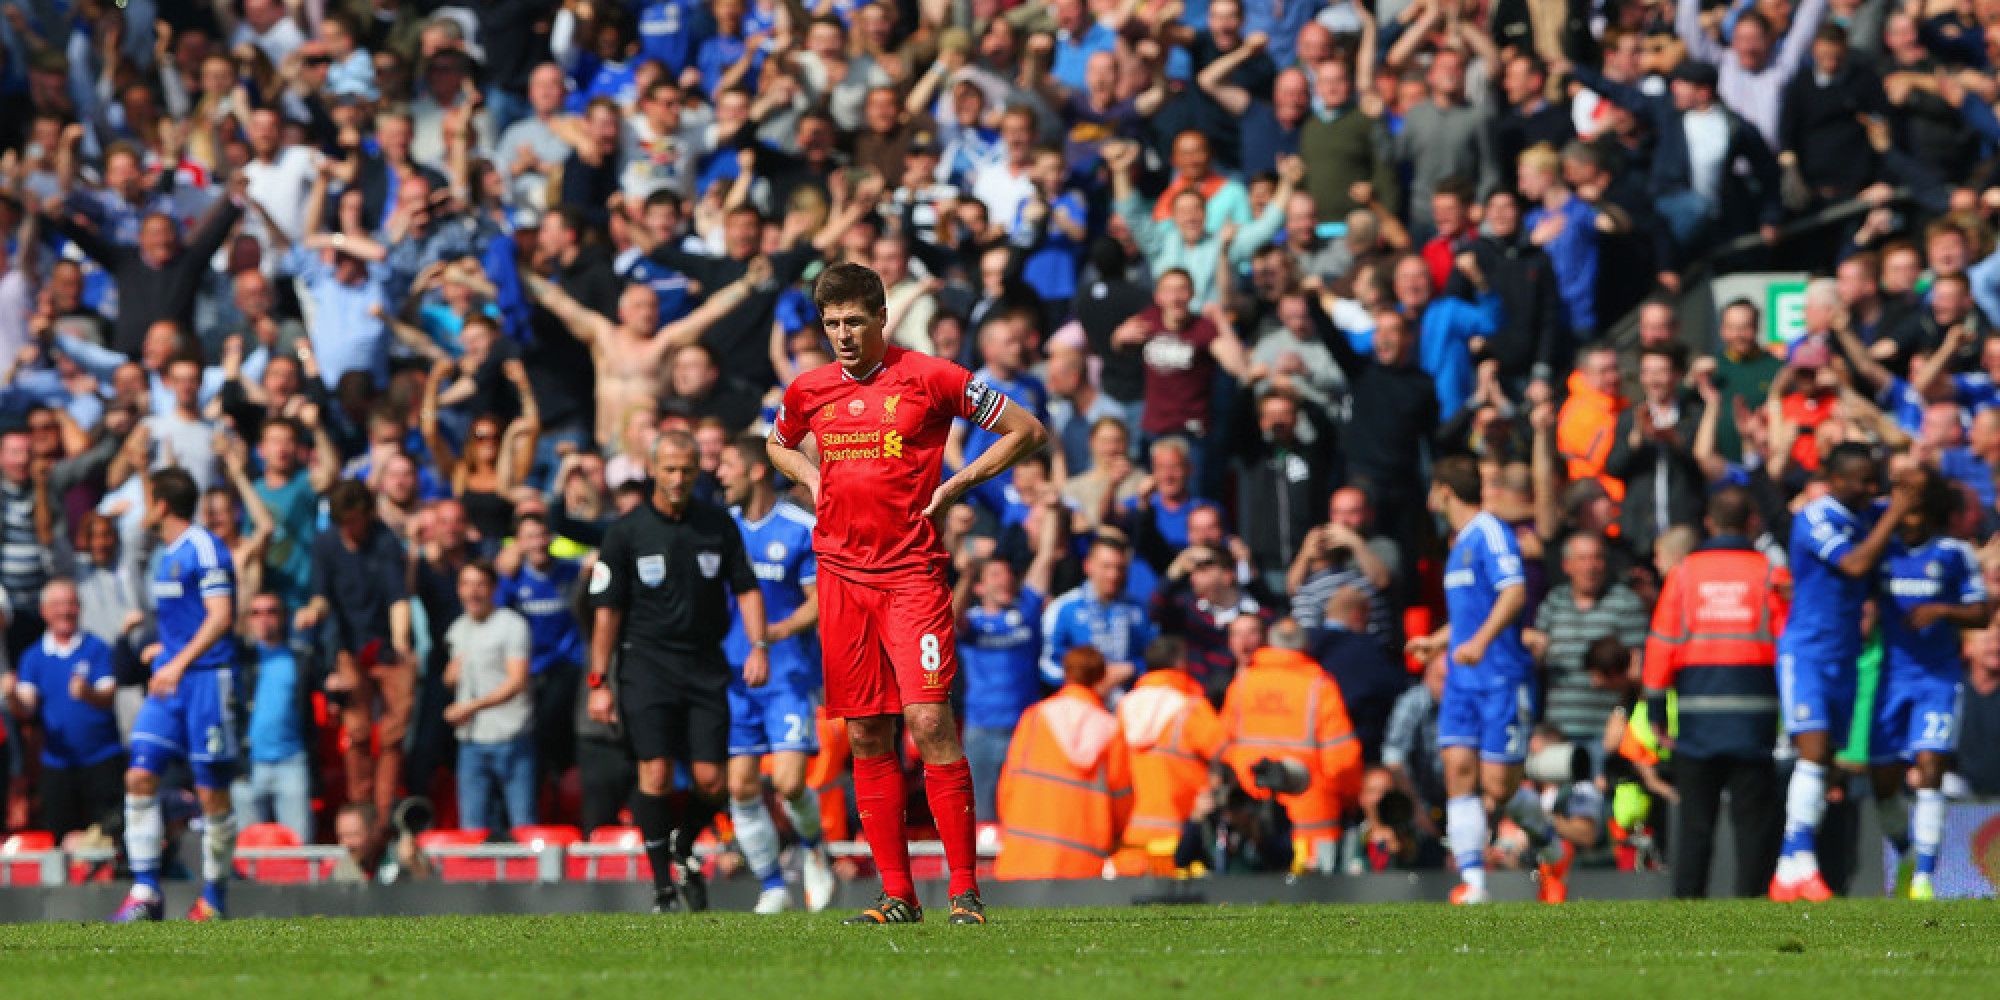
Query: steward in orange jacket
1714	640
1173	735
1066	789
1587	424
1284	706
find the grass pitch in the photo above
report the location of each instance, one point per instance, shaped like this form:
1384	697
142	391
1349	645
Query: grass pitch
1686	951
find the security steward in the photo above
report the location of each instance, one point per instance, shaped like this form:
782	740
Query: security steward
661	590
1714	644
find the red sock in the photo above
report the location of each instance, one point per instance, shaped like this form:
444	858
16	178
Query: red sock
949	788
878	796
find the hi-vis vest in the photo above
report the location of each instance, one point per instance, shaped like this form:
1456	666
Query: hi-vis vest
1285	707
1173	734
1066	790
1714	641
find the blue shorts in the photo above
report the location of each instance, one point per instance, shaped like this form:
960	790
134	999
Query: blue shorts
1496	721
1914	713
1816	691
775	718
197	723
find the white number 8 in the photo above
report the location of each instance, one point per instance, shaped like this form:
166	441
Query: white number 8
932	658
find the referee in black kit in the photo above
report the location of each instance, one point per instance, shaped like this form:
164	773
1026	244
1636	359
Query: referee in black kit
661	591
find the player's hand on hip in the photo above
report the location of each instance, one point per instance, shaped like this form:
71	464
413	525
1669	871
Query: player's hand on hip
941	501
164	683
603	709
757	668
1469	653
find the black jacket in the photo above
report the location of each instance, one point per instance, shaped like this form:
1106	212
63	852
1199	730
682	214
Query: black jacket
1820	124
1742	202
1638	468
148	294
1370	682
1281	490
1393	413
741	339
1531	330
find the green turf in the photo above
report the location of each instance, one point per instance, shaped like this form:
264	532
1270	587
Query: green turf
1603	950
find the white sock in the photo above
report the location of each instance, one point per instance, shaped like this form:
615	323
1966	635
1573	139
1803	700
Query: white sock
756	835
1465	826
218	846
1893	812
144	830
803	810
1927	823
1805	805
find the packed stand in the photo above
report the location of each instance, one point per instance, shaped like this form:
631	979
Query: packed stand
411	292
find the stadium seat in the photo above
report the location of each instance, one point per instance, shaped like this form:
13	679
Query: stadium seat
468	856
293	863
612	854
546	834
267	835
450	838
18	870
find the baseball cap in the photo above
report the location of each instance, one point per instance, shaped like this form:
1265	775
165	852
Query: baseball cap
1695	71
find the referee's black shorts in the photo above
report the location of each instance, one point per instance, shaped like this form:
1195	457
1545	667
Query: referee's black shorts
667	716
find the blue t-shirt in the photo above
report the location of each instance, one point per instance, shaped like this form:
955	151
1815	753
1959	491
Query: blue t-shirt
77	735
668	285
1485	560
1961	465
1119	629
197	566
999	653
543	598
1825	618
1942	570
277	713
780	550
1051	269
667	33
288	558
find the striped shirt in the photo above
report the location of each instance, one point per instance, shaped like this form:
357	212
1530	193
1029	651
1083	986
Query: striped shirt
23	569
1573	705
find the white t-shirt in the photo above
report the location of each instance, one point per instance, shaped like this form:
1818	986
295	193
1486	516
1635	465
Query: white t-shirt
1003	191
482	650
1708	144
277	43
281	186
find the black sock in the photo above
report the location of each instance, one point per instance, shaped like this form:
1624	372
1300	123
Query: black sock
697	812
656	824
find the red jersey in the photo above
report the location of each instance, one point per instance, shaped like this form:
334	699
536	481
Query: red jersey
881	455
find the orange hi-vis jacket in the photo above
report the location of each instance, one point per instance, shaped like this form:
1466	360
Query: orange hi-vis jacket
1285	707
1066	790
1173	735
1714	641
1586	428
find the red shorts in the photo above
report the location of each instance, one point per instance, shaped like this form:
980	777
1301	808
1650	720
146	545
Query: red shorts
885	643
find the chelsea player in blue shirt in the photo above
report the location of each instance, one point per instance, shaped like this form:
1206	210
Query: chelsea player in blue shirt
775	716
1837	539
187	709
1488	705
1930	588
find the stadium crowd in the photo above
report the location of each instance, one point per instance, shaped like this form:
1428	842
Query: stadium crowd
411	290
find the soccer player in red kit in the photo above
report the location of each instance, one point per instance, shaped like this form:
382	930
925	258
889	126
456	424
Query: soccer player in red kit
881	415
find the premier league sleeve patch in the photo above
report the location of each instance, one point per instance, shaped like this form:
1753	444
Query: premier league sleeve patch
600	577
983	403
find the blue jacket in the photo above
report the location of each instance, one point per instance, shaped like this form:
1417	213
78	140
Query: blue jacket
1121	630
1444	345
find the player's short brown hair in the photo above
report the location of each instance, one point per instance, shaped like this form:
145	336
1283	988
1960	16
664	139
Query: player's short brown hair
850	284
1460	475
